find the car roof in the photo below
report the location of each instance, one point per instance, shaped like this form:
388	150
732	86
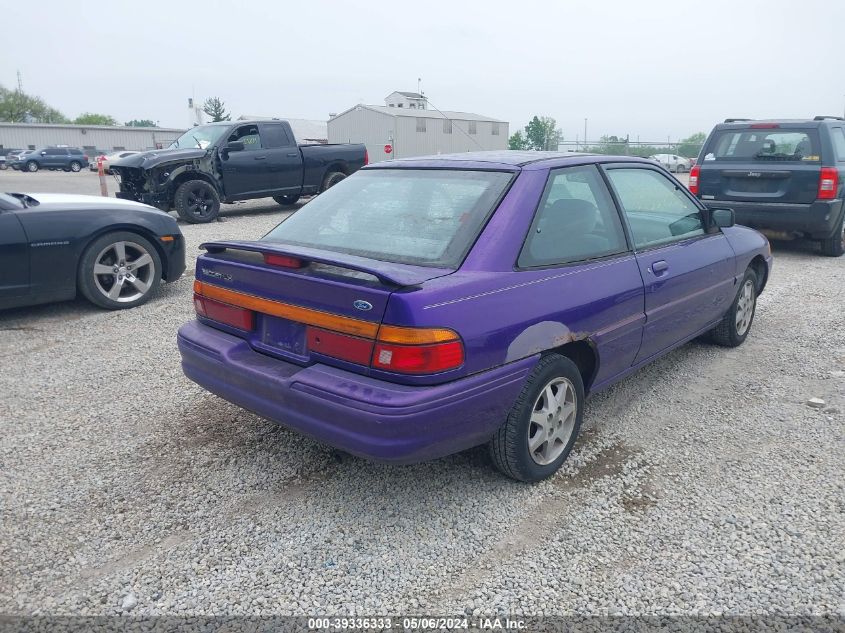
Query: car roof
507	160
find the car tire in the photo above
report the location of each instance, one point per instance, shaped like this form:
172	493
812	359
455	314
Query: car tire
119	270
75	166
834	246
3	166
552	399
197	202
32	166
331	179
286	201
736	324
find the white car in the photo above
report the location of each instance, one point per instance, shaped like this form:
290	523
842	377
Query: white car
673	162
109	157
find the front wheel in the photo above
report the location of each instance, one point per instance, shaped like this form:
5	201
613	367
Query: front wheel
32	166
286	201
543	424
119	270
834	246
736	324
197	202
75	166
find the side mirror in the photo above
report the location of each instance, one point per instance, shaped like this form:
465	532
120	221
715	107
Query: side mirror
235	146
723	218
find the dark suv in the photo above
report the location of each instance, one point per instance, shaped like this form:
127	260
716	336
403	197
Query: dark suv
66	158
784	177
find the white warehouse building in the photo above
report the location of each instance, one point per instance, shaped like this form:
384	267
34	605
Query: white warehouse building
91	138
411	128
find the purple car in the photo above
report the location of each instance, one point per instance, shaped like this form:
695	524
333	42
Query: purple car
425	306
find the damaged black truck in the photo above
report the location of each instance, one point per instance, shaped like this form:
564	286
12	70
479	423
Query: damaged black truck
230	161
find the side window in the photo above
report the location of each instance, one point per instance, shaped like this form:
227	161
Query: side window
248	134
838	135
274	135
576	220
657	210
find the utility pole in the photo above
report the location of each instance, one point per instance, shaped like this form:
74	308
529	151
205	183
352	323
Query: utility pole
20	82
585	132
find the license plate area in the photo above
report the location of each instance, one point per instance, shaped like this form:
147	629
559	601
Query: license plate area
281	337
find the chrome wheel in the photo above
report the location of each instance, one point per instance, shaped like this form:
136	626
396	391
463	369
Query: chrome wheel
745	307
75	167
552	421
124	271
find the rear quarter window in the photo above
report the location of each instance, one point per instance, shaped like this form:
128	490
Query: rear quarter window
764	145
838	136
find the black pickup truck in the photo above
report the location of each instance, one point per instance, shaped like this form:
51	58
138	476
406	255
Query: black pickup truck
229	161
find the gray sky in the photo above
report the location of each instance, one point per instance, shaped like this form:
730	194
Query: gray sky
646	68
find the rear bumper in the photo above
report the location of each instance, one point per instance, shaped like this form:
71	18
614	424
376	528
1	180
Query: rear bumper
817	220
361	415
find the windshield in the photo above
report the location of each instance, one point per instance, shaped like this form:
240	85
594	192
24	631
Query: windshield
200	137
8	201
413	216
790	145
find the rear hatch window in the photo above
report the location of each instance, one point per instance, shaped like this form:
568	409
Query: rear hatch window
427	217
762	165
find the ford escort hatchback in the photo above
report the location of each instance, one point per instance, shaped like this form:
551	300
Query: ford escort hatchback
422	307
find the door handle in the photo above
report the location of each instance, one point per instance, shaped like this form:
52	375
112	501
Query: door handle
293	154
260	158
659	267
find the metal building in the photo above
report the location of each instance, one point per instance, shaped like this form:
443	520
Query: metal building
93	138
411	127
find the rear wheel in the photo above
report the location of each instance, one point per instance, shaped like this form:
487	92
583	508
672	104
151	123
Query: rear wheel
197	202
119	270
332	178
75	166
736	324
32	166
286	201
543	424
834	246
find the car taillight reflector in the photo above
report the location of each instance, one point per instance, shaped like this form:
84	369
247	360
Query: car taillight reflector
693	179
351	348
828	183
235	316
418	359
366	157
283	260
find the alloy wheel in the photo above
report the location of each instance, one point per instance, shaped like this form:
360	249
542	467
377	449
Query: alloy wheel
552	421
200	202
745	307
123	271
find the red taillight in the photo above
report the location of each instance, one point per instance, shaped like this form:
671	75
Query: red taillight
351	348
764	126
693	179
237	317
418	359
283	261
85	157
366	157
828	183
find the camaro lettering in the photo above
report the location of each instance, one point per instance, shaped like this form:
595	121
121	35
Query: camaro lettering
38	244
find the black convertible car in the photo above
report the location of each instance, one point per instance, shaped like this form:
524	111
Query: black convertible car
115	252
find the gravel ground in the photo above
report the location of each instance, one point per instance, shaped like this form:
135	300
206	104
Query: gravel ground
703	484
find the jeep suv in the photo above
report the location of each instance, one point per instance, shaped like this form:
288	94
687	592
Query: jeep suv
783	177
66	158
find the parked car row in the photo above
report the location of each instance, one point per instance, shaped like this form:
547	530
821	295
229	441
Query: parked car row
53	158
424	306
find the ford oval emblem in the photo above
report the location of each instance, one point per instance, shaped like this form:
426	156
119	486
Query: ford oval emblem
360	304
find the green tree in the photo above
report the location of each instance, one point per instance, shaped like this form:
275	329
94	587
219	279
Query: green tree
518	141
91	118
613	145
19	107
691	146
140	123
542	133
216	109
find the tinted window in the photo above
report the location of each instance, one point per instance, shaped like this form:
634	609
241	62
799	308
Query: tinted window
274	135
75	151
764	145
658	211
56	151
838	136
576	220
428	217
248	135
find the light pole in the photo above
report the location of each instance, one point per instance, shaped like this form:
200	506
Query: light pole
585	133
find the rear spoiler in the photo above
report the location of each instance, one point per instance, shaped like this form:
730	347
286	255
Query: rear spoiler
386	272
